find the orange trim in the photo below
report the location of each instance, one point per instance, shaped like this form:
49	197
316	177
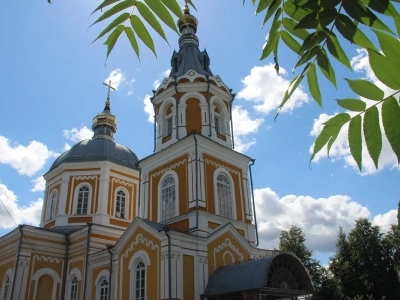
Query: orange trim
119	223
213	225
166	139
51	224
124	174
73	170
80	219
222	137
180	225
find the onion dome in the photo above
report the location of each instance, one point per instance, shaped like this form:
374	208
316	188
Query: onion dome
190	20
102	146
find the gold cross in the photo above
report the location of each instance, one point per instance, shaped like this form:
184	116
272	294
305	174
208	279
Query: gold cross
109	89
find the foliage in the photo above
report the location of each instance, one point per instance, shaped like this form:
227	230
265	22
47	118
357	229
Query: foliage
314	30
293	241
363	263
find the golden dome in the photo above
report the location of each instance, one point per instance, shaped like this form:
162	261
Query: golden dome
188	17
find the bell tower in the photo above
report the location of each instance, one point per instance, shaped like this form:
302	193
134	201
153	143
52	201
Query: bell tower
195	182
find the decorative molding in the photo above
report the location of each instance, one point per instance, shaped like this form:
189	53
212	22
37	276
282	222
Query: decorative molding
84	177
6	261
203	260
49	187
174	255
171	167
228	244
210	162
123	182
77	258
142	240
48	259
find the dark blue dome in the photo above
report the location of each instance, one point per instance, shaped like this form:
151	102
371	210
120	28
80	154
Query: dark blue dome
100	149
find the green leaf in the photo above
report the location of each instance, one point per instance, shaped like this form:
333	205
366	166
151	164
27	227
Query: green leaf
146	13
364	15
355	140
308	55
115	9
330	132
378	5
113	37
290	90
327	16
173	6
325	66
336	50
390	47
192	5
296	12
132	39
310	21
290	42
391	124
313	84
270	45
384	70
159	9
372	133
290	24
352	104
142	33
274	6
104	4
113	24
263	4
313	39
391	11
366	89
352	33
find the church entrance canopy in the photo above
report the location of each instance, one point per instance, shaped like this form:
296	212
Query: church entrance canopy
273	277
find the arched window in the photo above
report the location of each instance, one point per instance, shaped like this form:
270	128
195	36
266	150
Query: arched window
6	289
73	294
102	289
83	200
120	204
224	194
140	281
168	198
51	207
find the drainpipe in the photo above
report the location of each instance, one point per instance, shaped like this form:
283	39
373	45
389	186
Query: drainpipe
233	138
252	196
87	259
110	271
65	268
155	123
140	185
209	105
17	261
166	230
176	107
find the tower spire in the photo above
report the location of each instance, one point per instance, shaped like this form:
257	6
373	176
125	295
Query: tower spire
105	124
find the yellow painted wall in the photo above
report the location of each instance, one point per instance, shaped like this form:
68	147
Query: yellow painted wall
73	183
193	115
116	183
44	288
188	277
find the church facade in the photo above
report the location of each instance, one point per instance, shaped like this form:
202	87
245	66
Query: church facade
178	224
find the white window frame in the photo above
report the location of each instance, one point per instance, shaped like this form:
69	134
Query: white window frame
233	198
217	123
51	205
104	274
126	208
75	209
6	286
160	189
52	274
75	273
139	256
169	125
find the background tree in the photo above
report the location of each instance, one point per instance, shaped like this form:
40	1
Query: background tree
363	265
314	31
293	241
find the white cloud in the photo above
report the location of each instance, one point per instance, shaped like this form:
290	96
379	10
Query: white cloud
77	135
148	108
385	220
116	77
243	125
162	75
20	214
319	218
39	184
27	160
264	87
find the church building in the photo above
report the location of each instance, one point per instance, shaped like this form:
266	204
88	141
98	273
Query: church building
178	224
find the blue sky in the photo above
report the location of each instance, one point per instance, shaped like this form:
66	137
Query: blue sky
51	88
